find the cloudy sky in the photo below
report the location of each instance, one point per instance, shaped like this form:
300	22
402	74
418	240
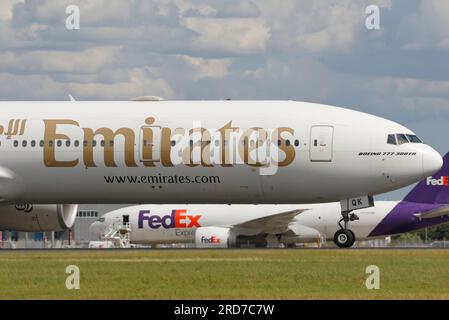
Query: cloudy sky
317	51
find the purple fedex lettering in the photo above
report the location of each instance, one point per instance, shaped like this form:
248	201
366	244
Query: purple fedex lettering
167	221
142	217
177	219
155	221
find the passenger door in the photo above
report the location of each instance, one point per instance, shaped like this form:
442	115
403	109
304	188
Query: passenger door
321	143
150	148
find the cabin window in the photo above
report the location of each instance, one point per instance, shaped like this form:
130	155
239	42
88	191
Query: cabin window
67	143
111	143
59	143
16	143
173	143
76	143
24	143
102	143
287	142
296	143
41	143
50	143
33	143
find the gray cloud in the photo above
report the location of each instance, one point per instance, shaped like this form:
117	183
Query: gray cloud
190	49
221	9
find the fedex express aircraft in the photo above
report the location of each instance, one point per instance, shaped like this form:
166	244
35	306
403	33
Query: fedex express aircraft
221	226
244	152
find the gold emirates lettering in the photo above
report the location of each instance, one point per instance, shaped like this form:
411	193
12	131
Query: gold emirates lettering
151	156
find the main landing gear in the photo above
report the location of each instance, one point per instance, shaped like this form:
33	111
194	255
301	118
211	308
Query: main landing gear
345	238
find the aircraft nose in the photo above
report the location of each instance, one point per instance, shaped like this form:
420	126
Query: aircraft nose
431	161
97	228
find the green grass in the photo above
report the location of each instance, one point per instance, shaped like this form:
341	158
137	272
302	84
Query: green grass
227	274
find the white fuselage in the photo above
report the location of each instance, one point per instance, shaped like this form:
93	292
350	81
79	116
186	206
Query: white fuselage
317	220
134	152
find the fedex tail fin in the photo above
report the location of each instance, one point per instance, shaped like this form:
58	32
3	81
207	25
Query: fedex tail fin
433	189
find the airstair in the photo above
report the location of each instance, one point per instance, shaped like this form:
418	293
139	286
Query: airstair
119	234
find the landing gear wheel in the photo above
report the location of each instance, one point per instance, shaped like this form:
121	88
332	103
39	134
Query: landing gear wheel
352	237
344	238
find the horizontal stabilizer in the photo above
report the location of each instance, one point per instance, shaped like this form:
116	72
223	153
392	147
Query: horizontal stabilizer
438	212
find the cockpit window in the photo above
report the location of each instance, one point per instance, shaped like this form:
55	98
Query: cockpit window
101	219
413	139
391	139
402	138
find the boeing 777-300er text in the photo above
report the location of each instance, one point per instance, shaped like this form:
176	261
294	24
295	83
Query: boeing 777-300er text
241	152
224	226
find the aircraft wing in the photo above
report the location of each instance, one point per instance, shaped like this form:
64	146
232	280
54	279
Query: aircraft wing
439	212
272	224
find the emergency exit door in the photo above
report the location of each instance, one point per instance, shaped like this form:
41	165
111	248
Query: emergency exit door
321	143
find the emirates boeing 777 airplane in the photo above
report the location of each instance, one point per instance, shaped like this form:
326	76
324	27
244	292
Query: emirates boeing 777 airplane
244	152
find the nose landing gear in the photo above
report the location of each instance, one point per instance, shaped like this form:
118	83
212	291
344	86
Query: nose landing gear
345	238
